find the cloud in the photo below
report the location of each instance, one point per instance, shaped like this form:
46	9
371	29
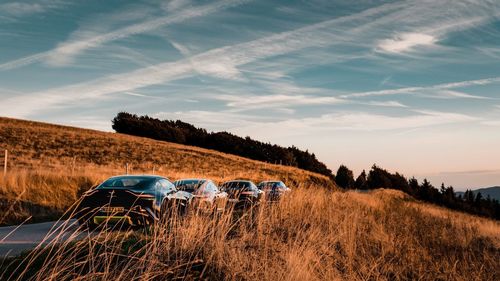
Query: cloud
247	102
224	62
344	121
214	120
18	9
457	94
406	42
471	172
386	103
491	123
354	121
174	5
66	51
415	90
210	62
13	10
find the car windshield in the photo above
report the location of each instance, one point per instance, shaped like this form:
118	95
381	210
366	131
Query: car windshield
188	185
128	182
272	185
236	185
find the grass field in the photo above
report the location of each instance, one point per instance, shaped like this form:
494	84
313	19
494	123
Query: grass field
50	165
315	233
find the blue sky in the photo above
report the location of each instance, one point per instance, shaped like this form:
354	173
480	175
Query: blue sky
410	85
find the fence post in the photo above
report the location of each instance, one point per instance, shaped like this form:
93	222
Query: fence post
126	169
153	169
73	163
5	163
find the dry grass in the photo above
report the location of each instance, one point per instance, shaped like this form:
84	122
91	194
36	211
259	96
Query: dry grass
311	235
315	233
50	165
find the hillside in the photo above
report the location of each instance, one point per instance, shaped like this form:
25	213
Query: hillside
316	233
310	235
493	192
49	165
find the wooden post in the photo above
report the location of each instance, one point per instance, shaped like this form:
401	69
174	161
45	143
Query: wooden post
126	169
73	163
153	169
5	163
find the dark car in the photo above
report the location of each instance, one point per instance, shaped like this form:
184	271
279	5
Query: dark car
242	193
137	200
206	194
274	190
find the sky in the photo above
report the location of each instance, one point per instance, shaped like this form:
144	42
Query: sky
412	86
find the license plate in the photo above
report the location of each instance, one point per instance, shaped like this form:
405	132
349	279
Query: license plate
112	209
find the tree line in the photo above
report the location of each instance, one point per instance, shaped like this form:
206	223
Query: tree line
444	196
185	133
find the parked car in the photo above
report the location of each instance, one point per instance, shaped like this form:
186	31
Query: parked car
274	190
206	194
242	193
136	200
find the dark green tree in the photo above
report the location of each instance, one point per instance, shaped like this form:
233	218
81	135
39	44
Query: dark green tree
378	178
344	177
360	182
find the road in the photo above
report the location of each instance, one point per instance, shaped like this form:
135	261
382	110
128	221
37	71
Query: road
16	239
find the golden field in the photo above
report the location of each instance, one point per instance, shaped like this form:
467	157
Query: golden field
50	165
317	232
313	234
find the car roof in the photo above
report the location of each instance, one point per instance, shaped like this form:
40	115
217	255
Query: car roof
270	181
193	179
143	176
239	181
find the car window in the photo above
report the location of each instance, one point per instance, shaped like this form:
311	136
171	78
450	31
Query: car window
236	185
166	185
189	185
212	187
215	188
128	182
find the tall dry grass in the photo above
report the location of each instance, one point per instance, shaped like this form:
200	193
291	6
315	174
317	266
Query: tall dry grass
50	166
313	234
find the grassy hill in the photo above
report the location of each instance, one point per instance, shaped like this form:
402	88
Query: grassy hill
315	233
50	165
311	235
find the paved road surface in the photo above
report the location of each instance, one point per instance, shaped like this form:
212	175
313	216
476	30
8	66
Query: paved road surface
15	239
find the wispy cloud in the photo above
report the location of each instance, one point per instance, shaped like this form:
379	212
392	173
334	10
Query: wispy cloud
355	121
406	42
491	123
66	51
457	94
243	124
21	9
276	100
386	103
440	87
224	59
224	62
214	120
173	5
